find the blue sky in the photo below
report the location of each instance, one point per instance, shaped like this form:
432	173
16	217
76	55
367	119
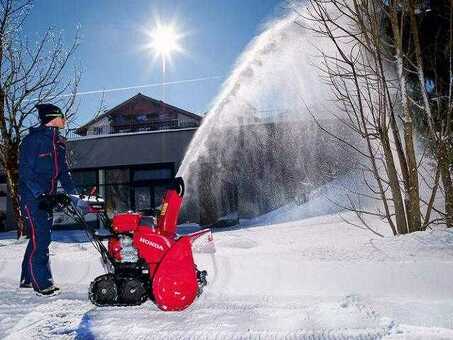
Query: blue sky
111	53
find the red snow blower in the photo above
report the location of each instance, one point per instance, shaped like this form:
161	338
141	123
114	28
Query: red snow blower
146	261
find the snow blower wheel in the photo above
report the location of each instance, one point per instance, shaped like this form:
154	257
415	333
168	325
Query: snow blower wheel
103	291
132	291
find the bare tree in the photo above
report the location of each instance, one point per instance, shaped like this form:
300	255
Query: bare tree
30	72
369	75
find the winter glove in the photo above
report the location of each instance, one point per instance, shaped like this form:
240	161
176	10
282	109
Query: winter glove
81	205
46	202
61	199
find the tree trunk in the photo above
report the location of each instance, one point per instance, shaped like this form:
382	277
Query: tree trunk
430	204
395	187
442	159
413	196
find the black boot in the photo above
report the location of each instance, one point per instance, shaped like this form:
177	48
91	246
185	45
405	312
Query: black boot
50	291
24	284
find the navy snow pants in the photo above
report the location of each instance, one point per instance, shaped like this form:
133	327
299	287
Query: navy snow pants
36	266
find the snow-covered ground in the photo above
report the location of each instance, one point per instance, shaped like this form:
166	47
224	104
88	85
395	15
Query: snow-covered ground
317	278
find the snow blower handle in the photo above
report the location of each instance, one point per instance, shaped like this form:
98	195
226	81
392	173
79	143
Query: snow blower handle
171	204
72	209
178	186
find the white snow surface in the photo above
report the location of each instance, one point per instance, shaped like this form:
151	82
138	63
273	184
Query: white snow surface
317	278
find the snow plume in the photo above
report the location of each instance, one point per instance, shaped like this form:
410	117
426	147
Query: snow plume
259	148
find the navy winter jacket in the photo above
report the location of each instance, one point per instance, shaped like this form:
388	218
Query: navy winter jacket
42	162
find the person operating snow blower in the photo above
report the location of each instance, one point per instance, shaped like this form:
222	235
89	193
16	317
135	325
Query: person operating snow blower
42	163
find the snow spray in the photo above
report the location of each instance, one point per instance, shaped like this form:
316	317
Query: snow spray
259	144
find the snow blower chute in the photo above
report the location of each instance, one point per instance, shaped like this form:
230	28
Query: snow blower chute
147	261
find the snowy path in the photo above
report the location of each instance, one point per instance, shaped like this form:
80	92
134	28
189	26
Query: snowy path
210	318
313	279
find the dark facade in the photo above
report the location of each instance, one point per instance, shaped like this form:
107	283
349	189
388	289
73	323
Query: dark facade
131	171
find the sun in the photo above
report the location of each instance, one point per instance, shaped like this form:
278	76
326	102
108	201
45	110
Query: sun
164	41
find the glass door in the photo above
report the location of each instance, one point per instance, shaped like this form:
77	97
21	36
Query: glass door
143	198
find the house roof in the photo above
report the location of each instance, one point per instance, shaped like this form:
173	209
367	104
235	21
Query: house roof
132	99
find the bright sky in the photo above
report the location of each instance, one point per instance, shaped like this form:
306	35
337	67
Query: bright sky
112	53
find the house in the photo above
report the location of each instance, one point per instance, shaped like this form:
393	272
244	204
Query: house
131	152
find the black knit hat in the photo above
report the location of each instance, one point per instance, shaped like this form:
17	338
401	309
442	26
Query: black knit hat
47	112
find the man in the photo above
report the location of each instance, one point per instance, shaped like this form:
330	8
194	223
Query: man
42	162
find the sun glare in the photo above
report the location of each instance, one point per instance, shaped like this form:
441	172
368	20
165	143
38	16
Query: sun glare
165	41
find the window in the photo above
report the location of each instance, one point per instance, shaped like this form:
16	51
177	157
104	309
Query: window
141	118
142	198
159	192
117	198
123	189
119	119
116	176
83	179
152	174
154	115
98	130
